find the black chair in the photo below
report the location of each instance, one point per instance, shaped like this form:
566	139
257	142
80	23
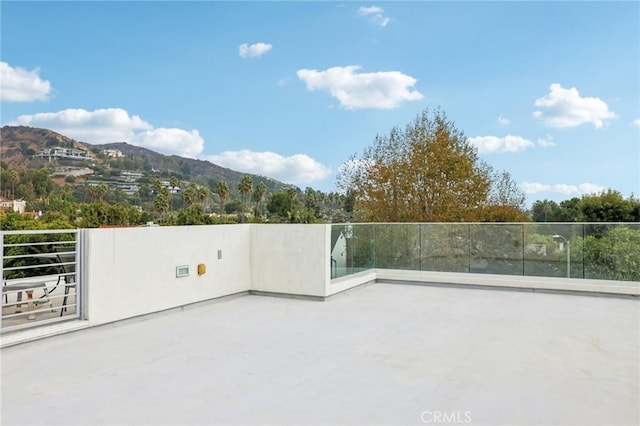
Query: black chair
67	271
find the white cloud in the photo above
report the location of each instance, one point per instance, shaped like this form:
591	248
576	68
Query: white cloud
566	108
98	126
171	141
375	14
296	169
371	10
20	85
509	143
253	50
562	188
503	121
546	142
116	125
381	90
636	122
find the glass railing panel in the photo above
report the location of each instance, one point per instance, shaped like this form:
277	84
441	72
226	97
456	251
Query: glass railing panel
361	243
612	251
553	250
496	249
397	246
352	249
445	247
577	250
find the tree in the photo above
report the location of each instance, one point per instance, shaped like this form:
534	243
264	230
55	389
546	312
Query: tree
245	186
280	205
258	196
428	172
25	191
283	206
189	195
93	215
173	182
144	192
92	192
312	200
544	211
161	202
42	183
505	191
506	201
157	186
192	215
222	189
203	196
12	179
293	193
614	255
607	206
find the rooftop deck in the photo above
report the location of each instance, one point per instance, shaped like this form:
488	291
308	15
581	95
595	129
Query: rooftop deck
378	354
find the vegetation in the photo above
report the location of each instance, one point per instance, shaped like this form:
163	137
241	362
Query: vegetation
428	172
607	206
424	173
67	204
609	252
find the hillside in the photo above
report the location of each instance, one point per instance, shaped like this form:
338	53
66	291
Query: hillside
20	145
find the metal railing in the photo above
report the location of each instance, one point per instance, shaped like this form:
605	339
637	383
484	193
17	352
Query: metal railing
609	251
40	277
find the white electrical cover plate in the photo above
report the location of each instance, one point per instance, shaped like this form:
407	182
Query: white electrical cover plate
182	271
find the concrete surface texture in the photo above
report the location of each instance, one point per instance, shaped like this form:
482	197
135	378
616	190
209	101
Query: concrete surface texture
380	354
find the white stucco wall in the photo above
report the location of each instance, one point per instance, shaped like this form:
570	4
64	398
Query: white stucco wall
347	282
291	259
132	271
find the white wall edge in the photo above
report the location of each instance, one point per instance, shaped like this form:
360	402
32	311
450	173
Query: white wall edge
631	288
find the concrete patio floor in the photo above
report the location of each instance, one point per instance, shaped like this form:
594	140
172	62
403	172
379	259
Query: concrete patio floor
380	354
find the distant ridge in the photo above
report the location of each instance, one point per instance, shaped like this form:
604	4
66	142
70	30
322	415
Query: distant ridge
19	144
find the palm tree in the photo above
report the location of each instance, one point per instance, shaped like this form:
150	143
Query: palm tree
203	196
65	192
246	188
189	195
144	192
222	189
157	185
258	195
161	203
173	182
102	190
292	192
92	192
13	178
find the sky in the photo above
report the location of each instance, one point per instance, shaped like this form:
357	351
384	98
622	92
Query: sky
548	91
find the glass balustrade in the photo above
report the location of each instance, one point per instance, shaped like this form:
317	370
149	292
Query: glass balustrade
572	250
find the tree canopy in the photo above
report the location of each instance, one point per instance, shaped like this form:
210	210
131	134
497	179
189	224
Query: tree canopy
428	172
606	206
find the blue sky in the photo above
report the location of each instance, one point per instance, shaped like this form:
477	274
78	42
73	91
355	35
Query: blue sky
549	91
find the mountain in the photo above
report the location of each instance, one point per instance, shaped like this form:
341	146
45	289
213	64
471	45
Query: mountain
20	145
27	147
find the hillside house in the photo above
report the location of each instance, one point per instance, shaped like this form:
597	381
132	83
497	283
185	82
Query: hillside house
63	153
17	206
112	153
